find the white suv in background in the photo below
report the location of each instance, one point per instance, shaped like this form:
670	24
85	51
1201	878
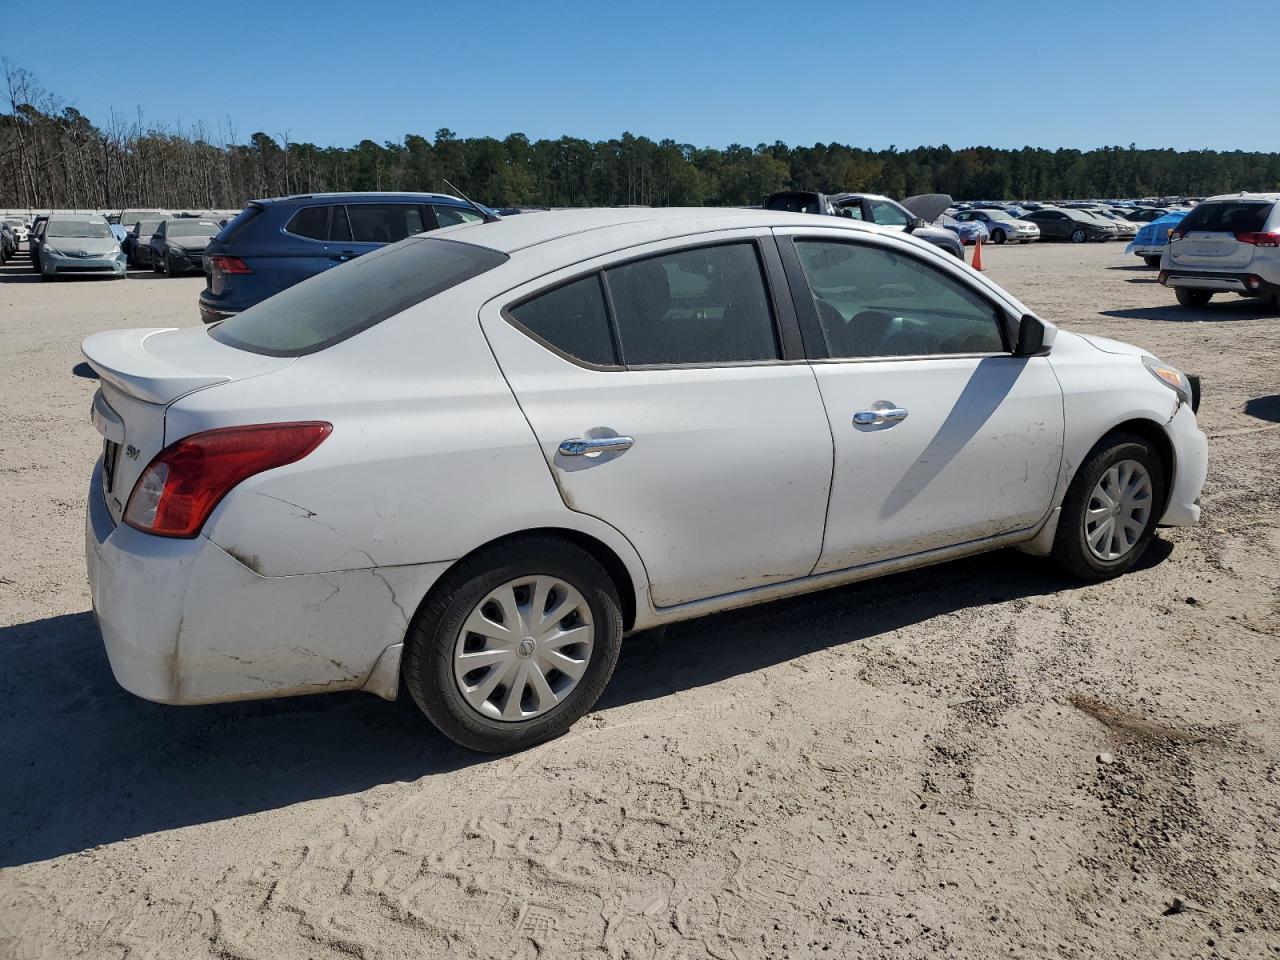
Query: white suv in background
1229	243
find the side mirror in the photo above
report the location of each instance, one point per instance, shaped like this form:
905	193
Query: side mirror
1030	341
915	223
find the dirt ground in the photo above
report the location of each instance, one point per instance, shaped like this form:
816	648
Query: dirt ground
905	768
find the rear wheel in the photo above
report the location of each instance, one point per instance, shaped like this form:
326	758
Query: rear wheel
1078	235
1192	298
998	236
1152	262
1110	511
515	644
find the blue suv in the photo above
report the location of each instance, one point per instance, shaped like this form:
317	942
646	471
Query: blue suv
276	243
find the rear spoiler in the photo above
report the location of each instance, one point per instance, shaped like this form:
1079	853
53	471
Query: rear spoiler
120	358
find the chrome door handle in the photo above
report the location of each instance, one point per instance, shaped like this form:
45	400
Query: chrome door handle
881	412
594	446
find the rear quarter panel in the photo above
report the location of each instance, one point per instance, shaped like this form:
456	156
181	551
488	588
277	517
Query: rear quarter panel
430	456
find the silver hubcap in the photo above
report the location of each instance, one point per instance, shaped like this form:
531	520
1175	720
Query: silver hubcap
1118	510
524	648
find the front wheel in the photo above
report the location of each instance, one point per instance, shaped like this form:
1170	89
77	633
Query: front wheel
1110	511
1192	298
515	644
998	236
1079	236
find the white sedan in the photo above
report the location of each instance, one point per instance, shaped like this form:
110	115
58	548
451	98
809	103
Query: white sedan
469	463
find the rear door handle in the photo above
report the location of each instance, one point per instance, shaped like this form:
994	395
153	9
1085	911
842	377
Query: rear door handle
344	255
594	446
881	412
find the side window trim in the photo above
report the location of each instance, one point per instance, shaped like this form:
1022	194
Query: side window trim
807	312
790	339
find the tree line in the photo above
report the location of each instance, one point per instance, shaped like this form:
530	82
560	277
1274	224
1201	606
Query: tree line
51	155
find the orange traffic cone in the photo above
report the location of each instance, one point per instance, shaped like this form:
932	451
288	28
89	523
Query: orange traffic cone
977	253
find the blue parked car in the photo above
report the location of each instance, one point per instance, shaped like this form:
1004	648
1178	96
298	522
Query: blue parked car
1153	238
276	243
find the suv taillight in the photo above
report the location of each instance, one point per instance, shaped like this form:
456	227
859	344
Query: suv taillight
228	264
1260	239
187	479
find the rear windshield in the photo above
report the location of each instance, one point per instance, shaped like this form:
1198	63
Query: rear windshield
341	302
238	222
1229	216
192	228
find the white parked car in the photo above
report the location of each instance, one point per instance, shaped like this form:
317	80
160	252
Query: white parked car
472	461
1228	244
1003	226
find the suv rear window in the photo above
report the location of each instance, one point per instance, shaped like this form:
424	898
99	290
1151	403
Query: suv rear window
341	302
1229	216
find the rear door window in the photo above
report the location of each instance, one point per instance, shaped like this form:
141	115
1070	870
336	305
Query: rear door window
1229	216
695	306
337	304
384	222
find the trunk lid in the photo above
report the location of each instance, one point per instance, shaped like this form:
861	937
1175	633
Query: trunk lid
1208	234
140	373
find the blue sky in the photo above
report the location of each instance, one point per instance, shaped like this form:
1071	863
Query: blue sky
1179	73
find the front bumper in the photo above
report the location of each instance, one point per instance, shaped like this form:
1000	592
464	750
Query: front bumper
185	622
1227	281
186	261
1191	466
62	266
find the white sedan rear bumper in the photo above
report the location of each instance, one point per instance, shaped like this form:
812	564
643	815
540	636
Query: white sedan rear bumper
184	622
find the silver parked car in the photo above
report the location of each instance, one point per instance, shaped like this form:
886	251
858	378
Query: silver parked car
78	245
1002	226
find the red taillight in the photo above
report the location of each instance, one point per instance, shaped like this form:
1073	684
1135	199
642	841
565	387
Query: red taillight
1260	239
1176	234
228	264
187	479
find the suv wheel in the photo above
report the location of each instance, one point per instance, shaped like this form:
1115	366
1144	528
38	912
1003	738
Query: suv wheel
1192	298
515	644
1152	262
1078	235
1110	511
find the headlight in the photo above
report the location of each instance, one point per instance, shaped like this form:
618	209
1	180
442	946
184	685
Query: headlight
1171	377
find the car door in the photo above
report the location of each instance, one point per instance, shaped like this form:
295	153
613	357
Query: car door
942	437
668	392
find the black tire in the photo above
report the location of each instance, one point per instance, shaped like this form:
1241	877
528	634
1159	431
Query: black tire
1152	262
1079	235
1070	549
1192	298
998	236
168	266
427	666
45	277
155	265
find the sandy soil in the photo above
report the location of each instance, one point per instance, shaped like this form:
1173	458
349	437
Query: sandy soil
906	768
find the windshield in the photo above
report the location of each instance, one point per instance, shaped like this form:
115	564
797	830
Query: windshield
342	302
79	229
192	228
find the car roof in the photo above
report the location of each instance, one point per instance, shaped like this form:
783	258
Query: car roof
1273	197
60	217
617	228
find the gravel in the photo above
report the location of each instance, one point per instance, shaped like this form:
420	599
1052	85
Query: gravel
904	768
